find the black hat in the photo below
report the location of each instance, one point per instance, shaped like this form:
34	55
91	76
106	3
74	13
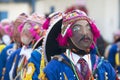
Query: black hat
50	44
38	43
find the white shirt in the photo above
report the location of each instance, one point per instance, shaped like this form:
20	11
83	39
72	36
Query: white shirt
74	58
26	52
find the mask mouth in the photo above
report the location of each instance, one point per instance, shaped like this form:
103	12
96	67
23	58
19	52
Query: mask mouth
76	50
25	40
81	45
85	39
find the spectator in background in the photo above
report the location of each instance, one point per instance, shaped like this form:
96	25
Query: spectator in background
114	51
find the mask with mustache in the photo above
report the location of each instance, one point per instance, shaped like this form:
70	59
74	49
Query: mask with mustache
82	35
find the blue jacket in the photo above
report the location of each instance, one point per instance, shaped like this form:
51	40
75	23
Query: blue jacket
35	59
9	63
56	70
111	56
6	52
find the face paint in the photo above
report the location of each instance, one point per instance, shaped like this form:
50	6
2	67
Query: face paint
82	36
26	36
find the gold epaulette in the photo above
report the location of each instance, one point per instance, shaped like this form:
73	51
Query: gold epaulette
30	71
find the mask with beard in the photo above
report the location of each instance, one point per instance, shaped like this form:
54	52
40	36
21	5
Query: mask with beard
82	37
74	49
26	36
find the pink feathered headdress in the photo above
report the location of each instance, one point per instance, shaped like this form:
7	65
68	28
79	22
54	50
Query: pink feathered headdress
36	23
69	19
8	29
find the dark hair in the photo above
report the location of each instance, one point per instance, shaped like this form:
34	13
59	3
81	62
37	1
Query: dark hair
117	40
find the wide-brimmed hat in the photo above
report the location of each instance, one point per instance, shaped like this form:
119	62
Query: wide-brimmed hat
50	45
38	43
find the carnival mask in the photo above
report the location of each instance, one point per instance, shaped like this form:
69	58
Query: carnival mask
82	35
26	36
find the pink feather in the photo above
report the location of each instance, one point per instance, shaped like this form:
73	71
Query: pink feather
37	37
33	32
46	23
95	31
62	41
8	30
69	32
96	34
20	27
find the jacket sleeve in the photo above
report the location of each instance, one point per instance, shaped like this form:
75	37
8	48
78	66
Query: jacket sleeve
34	64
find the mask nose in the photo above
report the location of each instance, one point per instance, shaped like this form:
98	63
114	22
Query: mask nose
85	32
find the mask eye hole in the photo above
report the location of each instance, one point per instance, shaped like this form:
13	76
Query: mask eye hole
76	27
88	26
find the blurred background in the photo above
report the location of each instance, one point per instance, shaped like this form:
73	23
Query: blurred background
106	13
